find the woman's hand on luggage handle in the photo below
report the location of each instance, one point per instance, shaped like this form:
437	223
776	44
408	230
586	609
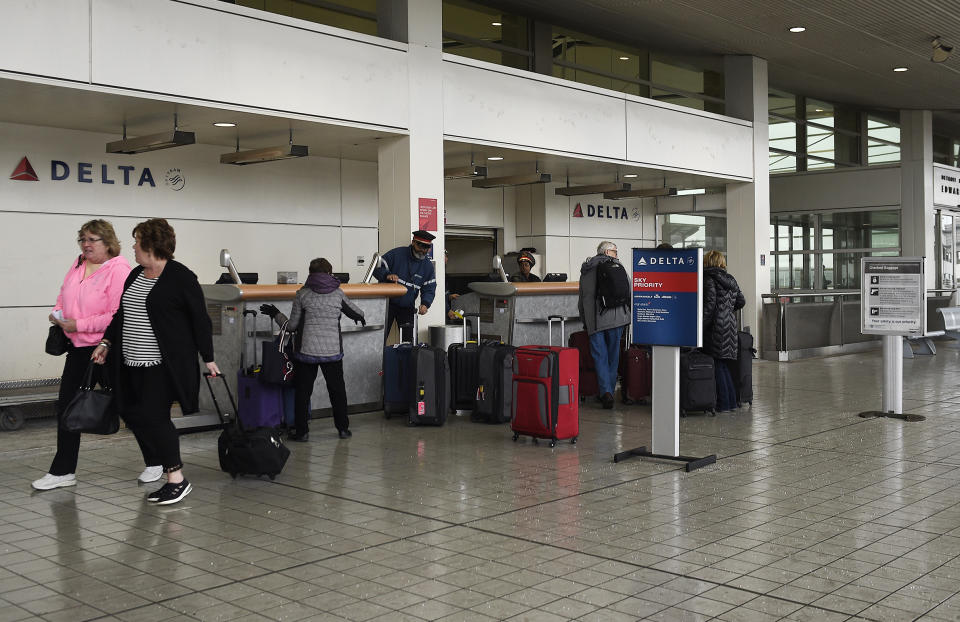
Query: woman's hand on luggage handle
213	369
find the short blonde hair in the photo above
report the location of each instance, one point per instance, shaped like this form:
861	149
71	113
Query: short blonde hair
714	259
104	230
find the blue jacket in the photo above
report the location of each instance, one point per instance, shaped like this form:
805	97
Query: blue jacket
417	275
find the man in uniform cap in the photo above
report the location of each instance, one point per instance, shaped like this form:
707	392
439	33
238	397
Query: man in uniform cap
411	267
525	261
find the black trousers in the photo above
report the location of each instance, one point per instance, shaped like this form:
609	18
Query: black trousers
68	443
304	375
403	317
147	396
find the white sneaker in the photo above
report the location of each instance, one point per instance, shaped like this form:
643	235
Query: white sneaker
49	482
151	474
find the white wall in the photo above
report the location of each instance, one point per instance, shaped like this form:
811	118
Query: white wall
272	216
832	190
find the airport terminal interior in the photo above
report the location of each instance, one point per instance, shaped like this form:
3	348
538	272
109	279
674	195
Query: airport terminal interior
803	140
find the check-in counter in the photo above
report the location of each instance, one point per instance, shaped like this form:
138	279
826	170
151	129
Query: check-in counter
362	345
517	313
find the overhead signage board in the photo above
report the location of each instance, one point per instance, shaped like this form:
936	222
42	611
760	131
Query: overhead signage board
667	300
893	296
946	185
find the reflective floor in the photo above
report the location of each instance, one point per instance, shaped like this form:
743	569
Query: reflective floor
811	513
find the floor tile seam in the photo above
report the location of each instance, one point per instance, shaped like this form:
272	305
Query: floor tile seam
678	575
851	453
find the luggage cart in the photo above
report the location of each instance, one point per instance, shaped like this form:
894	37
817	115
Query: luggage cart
17	393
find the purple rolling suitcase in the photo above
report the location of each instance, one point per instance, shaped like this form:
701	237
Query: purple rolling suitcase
259	405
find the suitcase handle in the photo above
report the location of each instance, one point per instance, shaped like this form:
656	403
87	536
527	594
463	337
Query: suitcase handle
465	334
563	329
224	419
413	336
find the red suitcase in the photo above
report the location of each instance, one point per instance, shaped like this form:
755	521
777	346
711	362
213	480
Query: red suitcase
588	372
545	393
636	370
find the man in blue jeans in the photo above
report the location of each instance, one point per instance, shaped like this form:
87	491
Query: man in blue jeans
605	295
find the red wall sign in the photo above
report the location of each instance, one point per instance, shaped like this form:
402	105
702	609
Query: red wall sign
428	214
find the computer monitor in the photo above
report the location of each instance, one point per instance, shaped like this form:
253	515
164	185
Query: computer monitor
555	277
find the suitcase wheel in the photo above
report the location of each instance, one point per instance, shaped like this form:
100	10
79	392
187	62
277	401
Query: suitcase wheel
536	441
573	441
386	414
712	412
515	437
233	475
553	442
272	476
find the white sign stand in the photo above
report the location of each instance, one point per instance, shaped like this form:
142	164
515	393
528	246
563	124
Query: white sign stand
665	401
893	374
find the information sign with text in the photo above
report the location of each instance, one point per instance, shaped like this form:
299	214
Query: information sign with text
893	296
667	301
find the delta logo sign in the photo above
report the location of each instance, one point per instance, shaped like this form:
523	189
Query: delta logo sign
613	212
85	173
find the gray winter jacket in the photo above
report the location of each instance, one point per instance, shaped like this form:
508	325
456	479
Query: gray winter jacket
321	324
593	319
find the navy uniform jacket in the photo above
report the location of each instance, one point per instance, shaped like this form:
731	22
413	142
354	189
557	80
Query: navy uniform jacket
417	275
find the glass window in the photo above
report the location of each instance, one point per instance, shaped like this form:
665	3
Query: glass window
693	231
883	140
947	250
353	15
486	34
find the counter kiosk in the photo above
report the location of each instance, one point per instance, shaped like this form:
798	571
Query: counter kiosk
516	313
362	345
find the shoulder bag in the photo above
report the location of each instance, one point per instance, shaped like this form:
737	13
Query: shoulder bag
91	411
57	341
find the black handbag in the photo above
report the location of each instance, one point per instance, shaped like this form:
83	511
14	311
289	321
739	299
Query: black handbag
91	411
57	341
276	365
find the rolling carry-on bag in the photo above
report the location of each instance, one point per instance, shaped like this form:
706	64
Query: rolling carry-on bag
636	374
431	386
742	368
698	385
397	379
494	396
545	391
464	360
246	451
260	404
589	386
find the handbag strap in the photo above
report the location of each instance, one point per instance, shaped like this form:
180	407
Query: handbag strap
88	379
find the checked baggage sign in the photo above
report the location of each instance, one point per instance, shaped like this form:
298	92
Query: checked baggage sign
667	301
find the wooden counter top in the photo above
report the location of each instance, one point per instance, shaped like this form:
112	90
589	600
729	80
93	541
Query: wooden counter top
234	293
539	289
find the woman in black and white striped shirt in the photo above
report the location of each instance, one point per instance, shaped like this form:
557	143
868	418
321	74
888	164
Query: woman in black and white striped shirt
161	326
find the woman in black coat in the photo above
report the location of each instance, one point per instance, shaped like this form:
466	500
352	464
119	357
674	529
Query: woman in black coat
155	336
721	299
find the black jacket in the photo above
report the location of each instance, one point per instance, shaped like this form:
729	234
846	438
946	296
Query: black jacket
721	298
178	315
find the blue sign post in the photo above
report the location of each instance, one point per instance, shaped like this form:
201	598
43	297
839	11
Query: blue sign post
667	310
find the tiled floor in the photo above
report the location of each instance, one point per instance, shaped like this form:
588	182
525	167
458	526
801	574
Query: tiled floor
811	514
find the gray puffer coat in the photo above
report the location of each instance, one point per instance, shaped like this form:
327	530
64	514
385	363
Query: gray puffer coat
593	319
721	298
321	317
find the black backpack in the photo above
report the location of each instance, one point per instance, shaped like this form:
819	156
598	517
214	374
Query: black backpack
613	285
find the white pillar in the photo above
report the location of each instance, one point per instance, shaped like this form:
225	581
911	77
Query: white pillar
917	218
411	167
748	204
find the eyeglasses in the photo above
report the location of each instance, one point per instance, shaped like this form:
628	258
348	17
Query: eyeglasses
89	240
612	250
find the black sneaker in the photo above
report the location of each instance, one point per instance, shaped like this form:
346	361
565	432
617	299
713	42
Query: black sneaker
170	493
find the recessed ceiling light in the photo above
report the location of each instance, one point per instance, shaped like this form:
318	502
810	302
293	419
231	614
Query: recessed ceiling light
901	69
495	158
797	29
496	23
818	109
629	175
624	58
224	124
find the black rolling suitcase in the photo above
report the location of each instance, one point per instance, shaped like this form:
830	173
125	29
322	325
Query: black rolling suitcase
494	397
431	386
397	381
464	361
256	451
742	368
698	386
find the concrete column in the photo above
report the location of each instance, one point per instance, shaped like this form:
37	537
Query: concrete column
917	221
748	205
411	167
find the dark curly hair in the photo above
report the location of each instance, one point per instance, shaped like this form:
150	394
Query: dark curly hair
156	237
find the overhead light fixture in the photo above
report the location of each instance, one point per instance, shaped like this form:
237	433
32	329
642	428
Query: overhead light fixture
267	154
465	172
151	142
901	69
572	191
797	29
941	51
494	158
644	193
512	180
630	176
624	58
224	124
496	23
692	191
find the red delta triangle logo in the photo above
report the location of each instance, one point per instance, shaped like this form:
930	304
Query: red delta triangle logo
577	211
24	171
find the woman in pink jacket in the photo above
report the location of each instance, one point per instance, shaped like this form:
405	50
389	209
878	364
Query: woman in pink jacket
88	299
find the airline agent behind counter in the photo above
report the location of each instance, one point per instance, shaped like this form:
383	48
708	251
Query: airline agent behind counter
411	267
